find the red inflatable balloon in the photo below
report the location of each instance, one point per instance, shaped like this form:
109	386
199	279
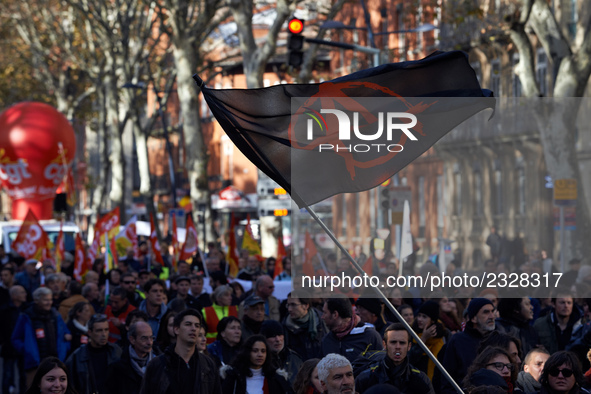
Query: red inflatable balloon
35	140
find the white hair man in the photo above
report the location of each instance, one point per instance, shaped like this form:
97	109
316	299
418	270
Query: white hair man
336	374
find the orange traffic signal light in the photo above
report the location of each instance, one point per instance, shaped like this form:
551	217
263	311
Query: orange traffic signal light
295	26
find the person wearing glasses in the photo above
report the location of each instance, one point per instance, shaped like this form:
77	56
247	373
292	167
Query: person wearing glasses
563	374
125	375
182	369
304	327
88	364
129	283
492	359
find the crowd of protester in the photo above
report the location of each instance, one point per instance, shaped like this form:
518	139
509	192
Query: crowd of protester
142	329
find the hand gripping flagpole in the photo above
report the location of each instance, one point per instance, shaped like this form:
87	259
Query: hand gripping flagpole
386	301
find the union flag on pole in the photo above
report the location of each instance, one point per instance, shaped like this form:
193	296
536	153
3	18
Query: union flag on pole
81	265
310	252
281	253
232	255
191	241
31	242
291	131
155	243
128	238
108	223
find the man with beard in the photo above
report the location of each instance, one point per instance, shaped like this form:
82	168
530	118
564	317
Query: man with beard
395	368
461	348
117	311
348	336
182	369
556	328
336	375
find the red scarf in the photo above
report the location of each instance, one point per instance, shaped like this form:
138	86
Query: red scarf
344	330
266	387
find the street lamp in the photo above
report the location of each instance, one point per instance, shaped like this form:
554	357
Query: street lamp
142	86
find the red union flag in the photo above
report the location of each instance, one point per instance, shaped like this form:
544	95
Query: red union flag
191	241
290	131
130	234
154	242
81	265
108	223
31	241
175	243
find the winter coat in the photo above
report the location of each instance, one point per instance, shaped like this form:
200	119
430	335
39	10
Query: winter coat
160	373
234	382
24	339
407	379
299	339
122	378
460	352
520	330
546	329
362	338
81	371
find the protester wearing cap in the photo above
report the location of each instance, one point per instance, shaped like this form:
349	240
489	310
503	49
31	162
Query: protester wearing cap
254	315
263	287
183	284
370	311
29	278
432	333
285	358
461	350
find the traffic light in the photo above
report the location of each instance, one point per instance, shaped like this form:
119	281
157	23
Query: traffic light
295	42
385	197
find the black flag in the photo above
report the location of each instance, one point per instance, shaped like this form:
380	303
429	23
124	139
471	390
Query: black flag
354	132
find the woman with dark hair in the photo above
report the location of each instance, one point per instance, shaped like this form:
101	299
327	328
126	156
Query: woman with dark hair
98	266
492	359
563	374
515	316
165	336
306	381
507	342
114	277
225	347
252	371
432	333
51	378
78	318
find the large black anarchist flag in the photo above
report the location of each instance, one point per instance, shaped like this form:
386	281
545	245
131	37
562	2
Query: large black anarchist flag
354	132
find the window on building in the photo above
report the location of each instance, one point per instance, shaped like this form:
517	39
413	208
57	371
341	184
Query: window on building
422	209
419	22
401	26
572	23
495	77
541	71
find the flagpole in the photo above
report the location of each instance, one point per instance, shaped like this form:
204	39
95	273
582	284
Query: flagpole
386	301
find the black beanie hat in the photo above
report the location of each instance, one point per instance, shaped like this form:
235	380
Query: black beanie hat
431	309
476	305
271	328
371	304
